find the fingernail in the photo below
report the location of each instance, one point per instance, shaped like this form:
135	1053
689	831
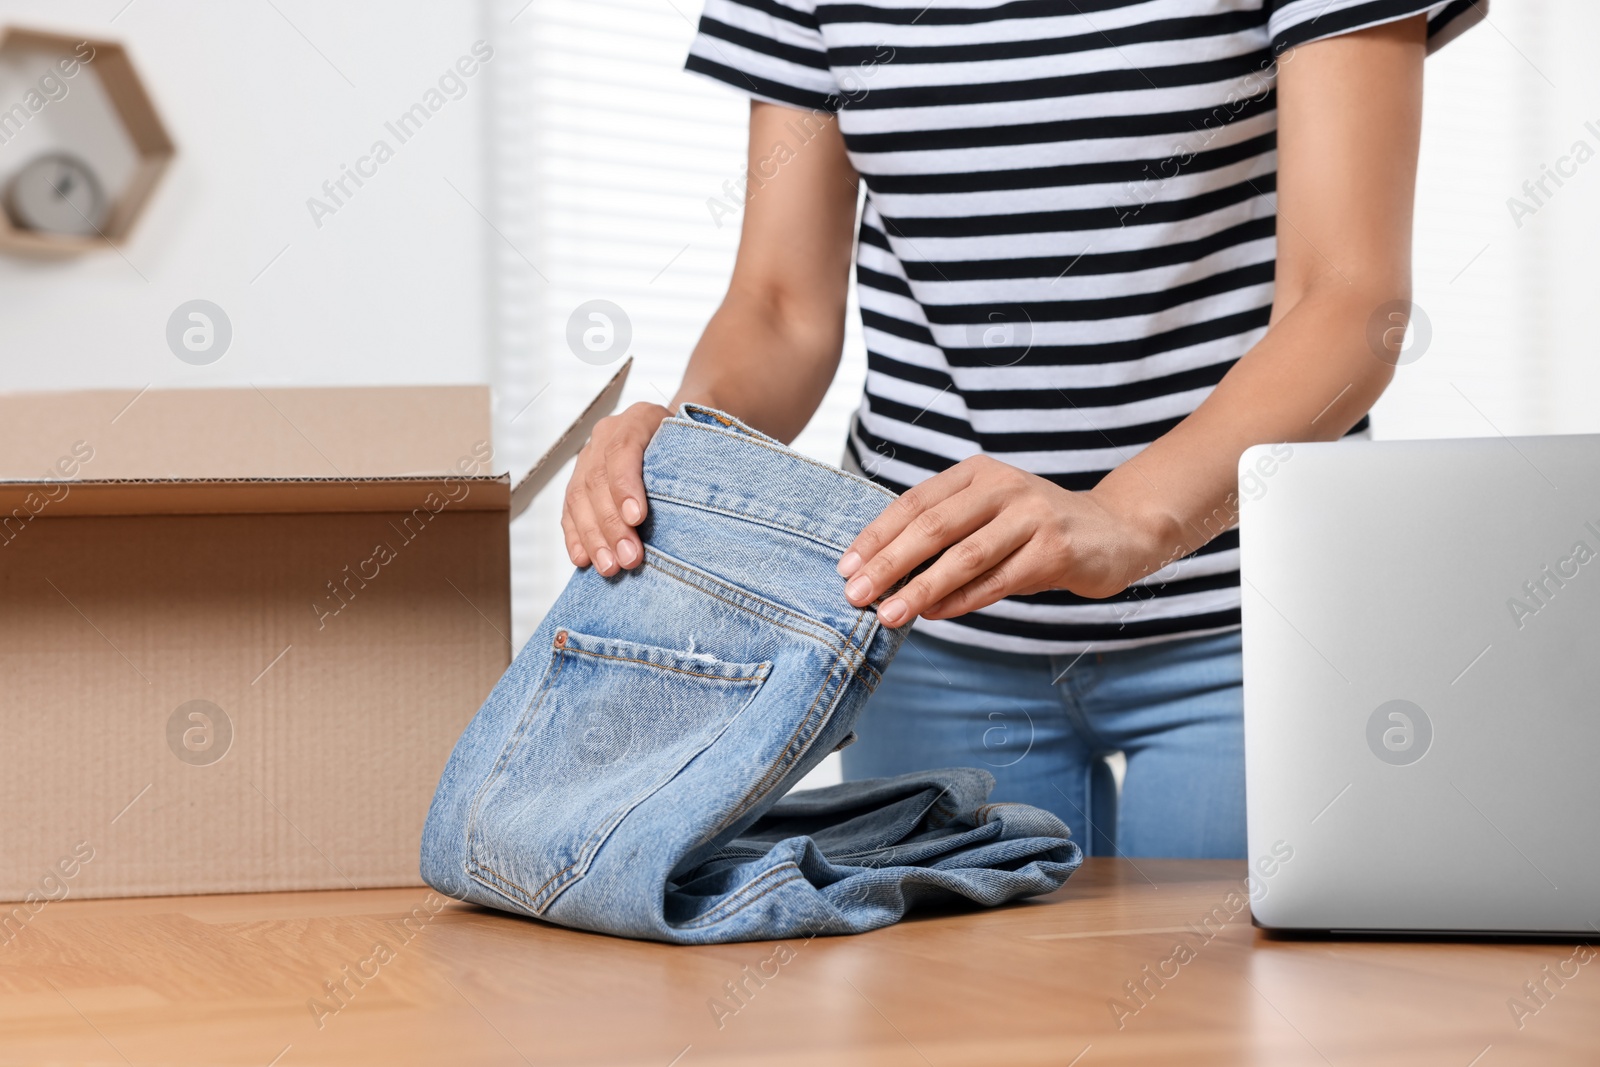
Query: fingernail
631	512
604	560
627	551
574	554
859	588
849	563
893	613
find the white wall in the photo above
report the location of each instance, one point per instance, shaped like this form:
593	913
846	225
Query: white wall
266	101
1514	347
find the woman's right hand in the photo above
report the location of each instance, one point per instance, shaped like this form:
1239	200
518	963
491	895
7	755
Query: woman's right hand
605	498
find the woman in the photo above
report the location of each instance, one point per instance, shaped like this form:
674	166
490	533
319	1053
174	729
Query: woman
1105	248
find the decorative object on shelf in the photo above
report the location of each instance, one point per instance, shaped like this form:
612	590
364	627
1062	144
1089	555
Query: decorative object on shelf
84	147
56	193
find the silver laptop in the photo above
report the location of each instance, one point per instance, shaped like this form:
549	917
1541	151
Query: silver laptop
1422	685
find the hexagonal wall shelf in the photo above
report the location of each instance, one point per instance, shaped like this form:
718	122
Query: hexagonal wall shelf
81	145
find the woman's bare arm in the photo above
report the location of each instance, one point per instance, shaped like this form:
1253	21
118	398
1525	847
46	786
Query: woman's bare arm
773	346
1350	116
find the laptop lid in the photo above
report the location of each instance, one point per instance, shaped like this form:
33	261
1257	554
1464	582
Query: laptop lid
1422	684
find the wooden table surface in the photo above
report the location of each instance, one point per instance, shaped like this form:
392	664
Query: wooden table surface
246	979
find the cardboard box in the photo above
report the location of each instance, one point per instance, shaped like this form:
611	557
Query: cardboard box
240	630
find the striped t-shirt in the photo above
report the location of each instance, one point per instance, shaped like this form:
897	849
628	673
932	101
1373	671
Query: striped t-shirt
1068	236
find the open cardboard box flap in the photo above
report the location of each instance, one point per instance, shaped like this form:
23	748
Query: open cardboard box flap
252	450
569	443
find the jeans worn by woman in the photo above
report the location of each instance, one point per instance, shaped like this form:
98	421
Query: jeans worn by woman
1043	725
627	773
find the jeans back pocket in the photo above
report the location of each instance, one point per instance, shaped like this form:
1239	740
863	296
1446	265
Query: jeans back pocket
611	722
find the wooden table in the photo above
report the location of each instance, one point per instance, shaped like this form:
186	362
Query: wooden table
231	980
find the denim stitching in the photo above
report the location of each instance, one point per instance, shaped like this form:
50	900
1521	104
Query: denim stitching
755	791
787	453
784	757
710	915
718	416
550	675
759	676
505	755
591	844
833	647
705	920
531	900
798	620
982	814
520	891
551	892
1068	692
761	786
857	662
746	904
615	817
758	520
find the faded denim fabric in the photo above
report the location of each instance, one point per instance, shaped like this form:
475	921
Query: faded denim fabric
1042	725
627	774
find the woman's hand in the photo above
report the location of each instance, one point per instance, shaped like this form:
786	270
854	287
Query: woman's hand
605	498
1002	531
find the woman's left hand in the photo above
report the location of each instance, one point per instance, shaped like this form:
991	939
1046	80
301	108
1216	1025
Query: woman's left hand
1002	531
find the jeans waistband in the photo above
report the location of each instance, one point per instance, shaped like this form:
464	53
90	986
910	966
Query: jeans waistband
708	459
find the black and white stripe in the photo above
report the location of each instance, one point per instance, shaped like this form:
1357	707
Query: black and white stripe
1068	236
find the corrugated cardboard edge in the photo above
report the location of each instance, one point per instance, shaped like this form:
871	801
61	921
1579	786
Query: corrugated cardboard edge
569	443
21	501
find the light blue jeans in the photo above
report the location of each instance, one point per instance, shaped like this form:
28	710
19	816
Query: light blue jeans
628	772
1043	725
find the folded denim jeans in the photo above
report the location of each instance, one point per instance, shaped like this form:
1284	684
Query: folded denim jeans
628	773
